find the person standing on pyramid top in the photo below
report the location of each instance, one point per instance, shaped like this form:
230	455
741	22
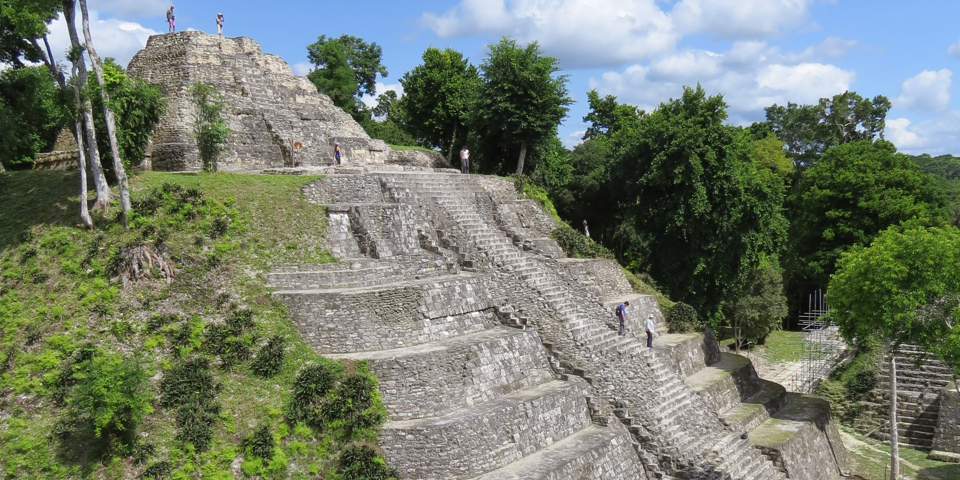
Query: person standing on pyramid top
171	21
464	160
219	24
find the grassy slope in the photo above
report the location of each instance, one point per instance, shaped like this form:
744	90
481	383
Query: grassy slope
51	302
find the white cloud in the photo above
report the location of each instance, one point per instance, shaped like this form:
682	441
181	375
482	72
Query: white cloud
301	68
954	50
581	33
928	90
574	139
750	76
371	100
831	48
111	37
936	136
139	8
739	19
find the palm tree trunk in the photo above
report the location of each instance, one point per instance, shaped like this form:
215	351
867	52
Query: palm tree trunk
523	155
99	179
109	117
894	434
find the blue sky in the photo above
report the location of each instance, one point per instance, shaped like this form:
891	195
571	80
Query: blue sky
754	52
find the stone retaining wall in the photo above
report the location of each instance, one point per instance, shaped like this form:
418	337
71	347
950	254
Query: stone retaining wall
947	438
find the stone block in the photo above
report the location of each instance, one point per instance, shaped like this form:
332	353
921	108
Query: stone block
725	383
803	440
947	436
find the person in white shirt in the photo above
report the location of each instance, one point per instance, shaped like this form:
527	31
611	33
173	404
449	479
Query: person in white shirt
464	160
650	330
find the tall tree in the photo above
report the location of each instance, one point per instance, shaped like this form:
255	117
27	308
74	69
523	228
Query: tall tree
346	68
437	95
810	130
22	23
696	210
75	55
119	171
854	192
609	117
31	114
521	100
386	122
903	288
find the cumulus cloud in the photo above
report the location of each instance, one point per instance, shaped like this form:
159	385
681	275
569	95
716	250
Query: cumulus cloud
139	8
739	19
592	33
750	76
936	136
928	90
112	37
954	50
574	139
831	48
581	33
301	68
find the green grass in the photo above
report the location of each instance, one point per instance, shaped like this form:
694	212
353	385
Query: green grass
783	346
56	293
870	459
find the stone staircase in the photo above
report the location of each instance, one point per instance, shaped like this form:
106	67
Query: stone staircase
921	378
519	375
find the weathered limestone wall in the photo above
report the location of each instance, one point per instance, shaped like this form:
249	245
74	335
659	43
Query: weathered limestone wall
809	450
919	387
388	317
277	118
947	437
601	276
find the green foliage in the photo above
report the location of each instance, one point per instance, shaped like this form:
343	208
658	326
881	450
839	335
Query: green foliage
360	462
269	360
519	103
137	106
854	192
190	388
946	173
527	189
608	118
106	398
158	470
437	97
209	129
682	318
694	212
810	130
903	288
759	308
347	405
576	245
346	68
22	22
32	113
260	443
310	390
387	122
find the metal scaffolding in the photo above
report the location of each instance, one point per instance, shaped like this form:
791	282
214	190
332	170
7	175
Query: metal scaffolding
821	345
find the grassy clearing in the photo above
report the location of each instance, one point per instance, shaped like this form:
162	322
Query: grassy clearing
61	289
411	147
781	346
870	459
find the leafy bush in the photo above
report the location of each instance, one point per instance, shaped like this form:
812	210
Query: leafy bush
362	463
527	189
260	443
190	388
354	409
310	389
576	245
269	359
158	471
209	129
682	318
106	403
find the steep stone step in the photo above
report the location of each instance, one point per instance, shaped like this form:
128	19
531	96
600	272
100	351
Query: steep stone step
424	380
725	383
801	437
391	316
689	353
757	408
594	453
318	279
471	441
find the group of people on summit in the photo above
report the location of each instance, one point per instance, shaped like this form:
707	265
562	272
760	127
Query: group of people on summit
172	22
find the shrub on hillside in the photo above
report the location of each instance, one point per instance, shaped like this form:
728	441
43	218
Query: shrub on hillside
682	318
576	245
260	443
362	462
191	389
269	359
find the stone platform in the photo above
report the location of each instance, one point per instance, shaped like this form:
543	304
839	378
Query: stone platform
499	358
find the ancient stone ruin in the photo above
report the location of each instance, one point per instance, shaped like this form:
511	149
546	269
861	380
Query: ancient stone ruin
277	118
498	358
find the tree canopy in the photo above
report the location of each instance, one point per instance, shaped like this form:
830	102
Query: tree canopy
521	100
854	192
438	94
346	68
31	114
22	23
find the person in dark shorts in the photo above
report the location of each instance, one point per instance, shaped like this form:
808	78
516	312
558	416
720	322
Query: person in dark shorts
336	152
219	24
621	312
171	21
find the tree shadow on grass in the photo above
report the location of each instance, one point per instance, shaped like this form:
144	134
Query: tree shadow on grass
942	472
31	198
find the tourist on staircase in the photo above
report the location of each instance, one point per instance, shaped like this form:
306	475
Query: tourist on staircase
464	160
650	331
622	315
336	152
